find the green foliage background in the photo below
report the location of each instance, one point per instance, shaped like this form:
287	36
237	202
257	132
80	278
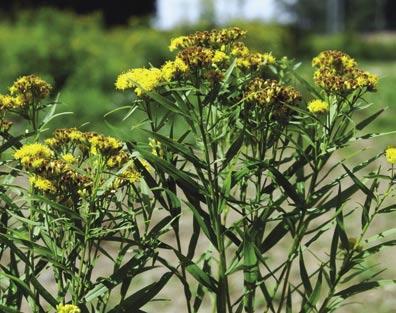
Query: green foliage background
82	58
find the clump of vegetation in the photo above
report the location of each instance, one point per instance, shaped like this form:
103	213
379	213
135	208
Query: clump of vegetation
236	159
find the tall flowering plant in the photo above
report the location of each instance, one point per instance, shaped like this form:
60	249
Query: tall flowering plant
243	198
255	163
79	202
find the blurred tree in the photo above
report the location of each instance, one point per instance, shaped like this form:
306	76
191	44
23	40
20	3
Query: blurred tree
338	15
390	14
308	14
208	12
114	11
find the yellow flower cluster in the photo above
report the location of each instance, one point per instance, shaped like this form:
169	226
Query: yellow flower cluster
208	53
42	183
172	68
69	158
390	154
268	91
131	175
63	136
91	142
202	56
180	43
67	164
318	106
214	38
272	95
337	72
219	57
33	155
30	88
8	102
197	56
67	308
104	145
247	60
144	80
25	91
141	79
48	174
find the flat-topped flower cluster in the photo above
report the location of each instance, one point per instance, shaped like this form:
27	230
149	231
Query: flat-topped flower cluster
209	53
68	164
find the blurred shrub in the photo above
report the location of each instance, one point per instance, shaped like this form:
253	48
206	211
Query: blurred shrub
82	58
368	47
269	37
78	55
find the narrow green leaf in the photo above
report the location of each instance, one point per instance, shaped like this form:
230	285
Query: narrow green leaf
361	125
179	148
333	255
203	278
313	299
193	240
304	274
362	287
274	236
200	294
358	182
115	279
233	149
283	181
166	103
141	297
43	292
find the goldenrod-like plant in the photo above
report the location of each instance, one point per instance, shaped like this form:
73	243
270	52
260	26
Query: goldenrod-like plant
243	193
255	164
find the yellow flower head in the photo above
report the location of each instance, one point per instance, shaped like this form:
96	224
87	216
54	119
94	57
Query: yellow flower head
267	92
240	50
272	96
217	38
42	184
390	154
51	142
255	60
131	175
103	144
75	135
268	58
219	56
337	72
34	150
8	102
172	68
179	42
67	308
118	159
69	158
197	56
30	88
318	106
141	79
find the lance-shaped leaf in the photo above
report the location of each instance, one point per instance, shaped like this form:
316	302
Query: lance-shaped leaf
141	297
362	287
